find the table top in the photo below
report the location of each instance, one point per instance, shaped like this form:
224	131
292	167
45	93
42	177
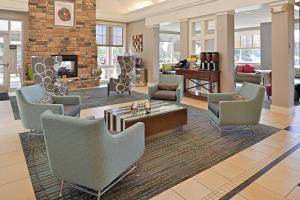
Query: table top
157	108
264	71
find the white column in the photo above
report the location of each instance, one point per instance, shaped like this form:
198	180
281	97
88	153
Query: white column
151	45
283	57
184	39
225	46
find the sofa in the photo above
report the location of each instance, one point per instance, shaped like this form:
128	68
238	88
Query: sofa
34	100
246	73
169	88
239	108
83	154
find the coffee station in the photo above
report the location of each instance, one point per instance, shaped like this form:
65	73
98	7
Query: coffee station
202	78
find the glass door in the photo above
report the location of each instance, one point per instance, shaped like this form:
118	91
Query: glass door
4	75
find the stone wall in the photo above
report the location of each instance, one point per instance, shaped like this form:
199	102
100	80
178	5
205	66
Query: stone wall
45	39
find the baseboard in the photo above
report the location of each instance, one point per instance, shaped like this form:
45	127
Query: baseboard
282	110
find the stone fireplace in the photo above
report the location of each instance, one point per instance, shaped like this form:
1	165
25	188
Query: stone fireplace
46	39
69	66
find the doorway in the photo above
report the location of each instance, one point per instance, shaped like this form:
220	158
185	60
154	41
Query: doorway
4	75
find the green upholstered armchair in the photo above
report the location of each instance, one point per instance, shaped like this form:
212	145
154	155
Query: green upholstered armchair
225	109
155	93
31	111
82	152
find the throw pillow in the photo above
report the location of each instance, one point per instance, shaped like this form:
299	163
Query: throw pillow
240	68
239	98
45	100
249	69
167	67
167	86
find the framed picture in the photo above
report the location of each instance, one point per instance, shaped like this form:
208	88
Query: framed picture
137	43
64	13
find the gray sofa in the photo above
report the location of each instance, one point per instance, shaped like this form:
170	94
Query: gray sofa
31	111
84	154
241	77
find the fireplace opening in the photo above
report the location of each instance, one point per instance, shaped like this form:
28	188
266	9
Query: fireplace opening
68	67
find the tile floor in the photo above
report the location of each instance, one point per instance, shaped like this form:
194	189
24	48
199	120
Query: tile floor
280	182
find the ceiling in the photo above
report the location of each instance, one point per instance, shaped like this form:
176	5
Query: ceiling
252	16
125	6
170	27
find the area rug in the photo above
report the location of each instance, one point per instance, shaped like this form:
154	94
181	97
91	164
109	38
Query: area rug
167	161
4	96
91	98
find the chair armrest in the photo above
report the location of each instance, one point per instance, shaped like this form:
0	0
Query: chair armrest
90	118
178	95
135	131
67	100
216	97
239	112
152	88
55	108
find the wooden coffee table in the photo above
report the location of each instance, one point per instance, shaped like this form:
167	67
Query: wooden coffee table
164	116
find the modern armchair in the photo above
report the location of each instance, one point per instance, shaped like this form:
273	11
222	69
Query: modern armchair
155	91
123	83
31	111
45	75
83	153
240	108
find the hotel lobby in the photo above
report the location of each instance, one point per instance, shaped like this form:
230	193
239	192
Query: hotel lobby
149	99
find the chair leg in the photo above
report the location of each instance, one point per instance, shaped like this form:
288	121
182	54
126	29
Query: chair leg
108	91
98	195
61	188
129	92
252	129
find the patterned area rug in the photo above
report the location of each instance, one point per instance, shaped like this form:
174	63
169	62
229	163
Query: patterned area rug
91	98
167	161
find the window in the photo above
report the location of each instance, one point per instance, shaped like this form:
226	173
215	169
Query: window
210	26
196	47
117	36
196	28
16	26
169	48
101	35
109	35
110	44
210	45
202	35
3	25
247	47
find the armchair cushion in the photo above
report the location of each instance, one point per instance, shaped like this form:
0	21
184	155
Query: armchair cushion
67	100
71	110
164	95
167	86
47	99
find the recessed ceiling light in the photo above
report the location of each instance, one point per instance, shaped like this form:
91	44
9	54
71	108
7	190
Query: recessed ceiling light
248	12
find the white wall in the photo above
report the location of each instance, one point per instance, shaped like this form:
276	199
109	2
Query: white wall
266	45
150	53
